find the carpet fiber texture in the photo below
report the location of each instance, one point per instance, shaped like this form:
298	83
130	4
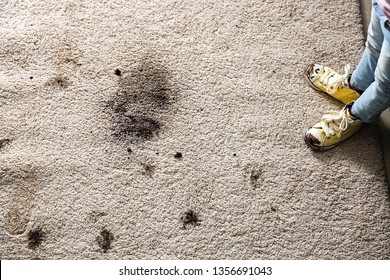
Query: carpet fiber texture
174	130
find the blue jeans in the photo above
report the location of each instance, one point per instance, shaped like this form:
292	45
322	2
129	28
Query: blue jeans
372	75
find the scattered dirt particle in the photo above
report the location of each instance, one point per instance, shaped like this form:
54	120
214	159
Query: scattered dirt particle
118	72
31	77
129	150
104	240
4	142
96	215
255	175
71	60
190	218
234	154
58	82
35	238
178	155
273	209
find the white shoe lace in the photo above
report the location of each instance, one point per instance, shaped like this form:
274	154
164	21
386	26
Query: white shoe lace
333	85
334	121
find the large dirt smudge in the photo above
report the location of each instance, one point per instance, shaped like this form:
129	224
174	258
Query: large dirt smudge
143	103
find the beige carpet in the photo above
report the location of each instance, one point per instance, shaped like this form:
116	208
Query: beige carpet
173	130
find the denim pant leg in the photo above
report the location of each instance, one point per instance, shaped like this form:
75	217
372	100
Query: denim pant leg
376	98
363	75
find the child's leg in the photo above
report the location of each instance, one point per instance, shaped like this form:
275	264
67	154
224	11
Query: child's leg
376	98
363	75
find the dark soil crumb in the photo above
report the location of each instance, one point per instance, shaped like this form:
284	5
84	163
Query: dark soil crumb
4	142
190	218
31	77
35	238
129	150
104	240
254	176
234	155
178	155
118	72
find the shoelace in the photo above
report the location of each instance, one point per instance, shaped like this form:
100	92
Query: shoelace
332	87
334	121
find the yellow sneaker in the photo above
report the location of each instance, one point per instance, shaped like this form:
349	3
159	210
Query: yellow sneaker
326	80
333	128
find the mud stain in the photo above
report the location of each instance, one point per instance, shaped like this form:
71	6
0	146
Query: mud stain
148	169
22	186
58	82
190	218
94	216
256	178
104	240
144	102
68	54
35	238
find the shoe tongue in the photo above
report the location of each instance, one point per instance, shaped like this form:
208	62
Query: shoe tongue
349	115
336	79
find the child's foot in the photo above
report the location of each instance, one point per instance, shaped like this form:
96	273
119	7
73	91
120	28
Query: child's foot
333	128
326	80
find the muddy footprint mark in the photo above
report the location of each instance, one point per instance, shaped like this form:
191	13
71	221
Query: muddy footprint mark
144	102
190	218
21	187
35	238
256	175
104	240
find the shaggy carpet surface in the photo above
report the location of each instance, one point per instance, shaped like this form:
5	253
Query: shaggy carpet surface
174	130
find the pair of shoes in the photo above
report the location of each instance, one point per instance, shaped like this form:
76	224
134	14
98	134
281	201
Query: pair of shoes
334	127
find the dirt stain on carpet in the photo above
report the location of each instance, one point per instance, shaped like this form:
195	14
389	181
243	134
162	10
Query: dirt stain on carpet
104	240
35	238
22	186
190	218
256	176
143	103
